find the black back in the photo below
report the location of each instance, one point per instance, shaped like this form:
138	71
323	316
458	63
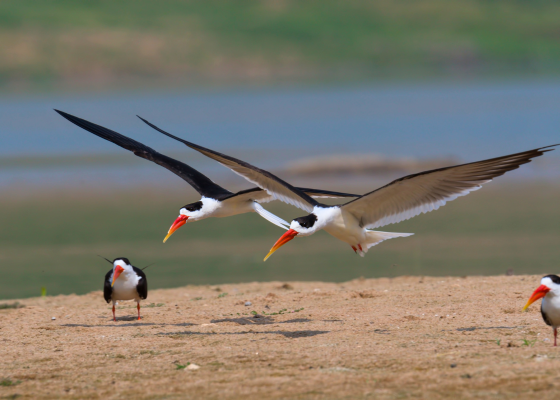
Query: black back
107	288
201	183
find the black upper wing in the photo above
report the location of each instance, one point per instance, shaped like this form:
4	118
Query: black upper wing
281	190
201	183
261	196
107	288
142	287
317	193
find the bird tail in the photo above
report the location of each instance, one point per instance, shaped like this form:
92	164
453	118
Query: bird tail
376	237
270	217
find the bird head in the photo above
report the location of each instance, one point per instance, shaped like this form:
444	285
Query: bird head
302	226
192	211
120	265
549	284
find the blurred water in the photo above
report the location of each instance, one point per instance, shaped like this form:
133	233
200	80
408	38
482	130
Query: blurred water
272	126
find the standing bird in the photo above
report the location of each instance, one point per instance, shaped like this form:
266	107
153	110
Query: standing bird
216	201
125	282
400	200
549	292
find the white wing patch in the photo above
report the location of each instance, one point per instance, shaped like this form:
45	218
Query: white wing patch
276	220
422	209
427	191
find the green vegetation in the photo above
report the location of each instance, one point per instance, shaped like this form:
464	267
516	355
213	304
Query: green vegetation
9	382
179	366
282	311
6	306
48	41
529	343
53	239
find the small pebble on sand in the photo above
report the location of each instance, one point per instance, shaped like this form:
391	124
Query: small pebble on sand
248	303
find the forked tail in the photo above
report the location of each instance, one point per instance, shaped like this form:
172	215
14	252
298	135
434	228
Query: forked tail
376	237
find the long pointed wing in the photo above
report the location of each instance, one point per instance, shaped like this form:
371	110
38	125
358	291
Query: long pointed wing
327	194
280	189
426	191
201	183
262	196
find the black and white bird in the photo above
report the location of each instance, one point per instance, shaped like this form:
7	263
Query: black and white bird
216	201
402	199
125	282
549	292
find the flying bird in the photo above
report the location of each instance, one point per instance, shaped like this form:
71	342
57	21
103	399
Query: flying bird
549	292
402	199
125	282
215	200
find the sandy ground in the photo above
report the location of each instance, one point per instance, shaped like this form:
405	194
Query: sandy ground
396	338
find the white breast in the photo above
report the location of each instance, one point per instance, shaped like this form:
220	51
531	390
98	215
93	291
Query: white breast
551	307
125	287
342	225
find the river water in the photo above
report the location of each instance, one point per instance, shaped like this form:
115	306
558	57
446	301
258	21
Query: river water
272	126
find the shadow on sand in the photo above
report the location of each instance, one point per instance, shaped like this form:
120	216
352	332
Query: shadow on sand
117	325
255	320
288	334
259	320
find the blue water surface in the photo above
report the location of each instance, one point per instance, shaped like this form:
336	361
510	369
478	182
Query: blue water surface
272	126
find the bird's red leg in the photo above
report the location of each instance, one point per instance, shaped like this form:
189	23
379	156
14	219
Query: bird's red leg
360	247
555	334
114	318
355	249
138	311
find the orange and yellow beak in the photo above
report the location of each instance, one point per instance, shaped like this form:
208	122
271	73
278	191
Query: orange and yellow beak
179	222
117	273
541	291
285	238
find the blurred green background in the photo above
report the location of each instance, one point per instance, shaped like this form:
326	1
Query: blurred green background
53	241
273	81
73	44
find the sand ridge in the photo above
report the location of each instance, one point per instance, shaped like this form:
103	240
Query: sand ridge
407	337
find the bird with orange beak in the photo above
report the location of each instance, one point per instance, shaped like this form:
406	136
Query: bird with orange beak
215	201
355	222
125	282
549	292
